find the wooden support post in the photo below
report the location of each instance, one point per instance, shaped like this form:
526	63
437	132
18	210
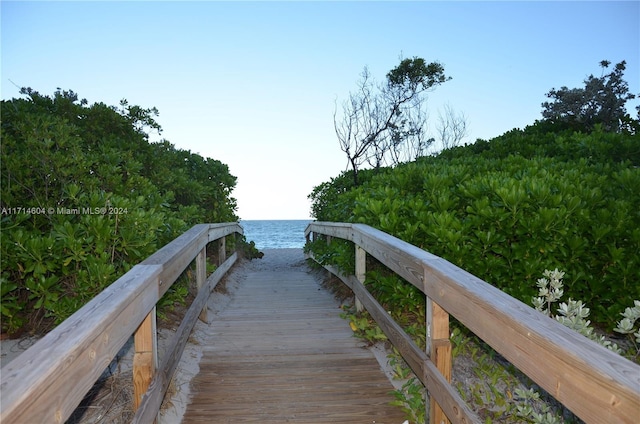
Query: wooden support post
222	250
145	358
201	278
236	242
439	349
361	269
329	238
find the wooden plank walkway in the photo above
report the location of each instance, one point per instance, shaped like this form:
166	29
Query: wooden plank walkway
281	353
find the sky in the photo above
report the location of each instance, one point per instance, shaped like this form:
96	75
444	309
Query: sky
255	84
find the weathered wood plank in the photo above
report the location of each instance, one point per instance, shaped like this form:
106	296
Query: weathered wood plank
177	255
49	380
336	229
217	231
401	257
439	349
145	358
222	251
36	386
151	401
595	383
424	368
201	276
361	271
282	353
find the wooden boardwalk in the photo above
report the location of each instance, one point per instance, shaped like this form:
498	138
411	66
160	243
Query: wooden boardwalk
281	353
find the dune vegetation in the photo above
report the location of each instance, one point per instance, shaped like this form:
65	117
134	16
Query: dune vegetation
85	196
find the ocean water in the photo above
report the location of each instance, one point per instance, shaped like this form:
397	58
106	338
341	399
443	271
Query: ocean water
275	234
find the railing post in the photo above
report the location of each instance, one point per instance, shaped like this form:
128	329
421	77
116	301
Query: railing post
361	269
222	250
201	277
145	358
439	350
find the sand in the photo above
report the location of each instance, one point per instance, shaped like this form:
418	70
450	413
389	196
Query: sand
178	397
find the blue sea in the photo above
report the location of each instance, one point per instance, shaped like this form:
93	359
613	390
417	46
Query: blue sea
275	234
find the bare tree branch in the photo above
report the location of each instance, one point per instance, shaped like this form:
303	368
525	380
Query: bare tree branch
452	127
379	121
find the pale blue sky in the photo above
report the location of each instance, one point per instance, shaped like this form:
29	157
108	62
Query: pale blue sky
253	84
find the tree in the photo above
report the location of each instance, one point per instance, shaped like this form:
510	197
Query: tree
452	127
379	120
84	196
601	101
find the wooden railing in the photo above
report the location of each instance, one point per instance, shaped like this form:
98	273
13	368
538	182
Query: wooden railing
596	384
49	380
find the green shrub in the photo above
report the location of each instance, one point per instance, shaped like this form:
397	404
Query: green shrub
503	217
504	210
85	196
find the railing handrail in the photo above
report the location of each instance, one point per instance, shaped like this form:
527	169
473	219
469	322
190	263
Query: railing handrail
598	385
49	380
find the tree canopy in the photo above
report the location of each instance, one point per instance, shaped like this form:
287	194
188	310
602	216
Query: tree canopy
561	193
385	123
601	101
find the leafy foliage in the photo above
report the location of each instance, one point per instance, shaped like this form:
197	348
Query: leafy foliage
563	192
506	209
85	196
574	313
628	323
601	101
383	123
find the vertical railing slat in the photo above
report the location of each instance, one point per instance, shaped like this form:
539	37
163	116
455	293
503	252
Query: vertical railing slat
222	251
361	270
201	277
145	359
439	350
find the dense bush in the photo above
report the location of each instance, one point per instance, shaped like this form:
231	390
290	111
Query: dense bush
545	139
85	196
509	208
